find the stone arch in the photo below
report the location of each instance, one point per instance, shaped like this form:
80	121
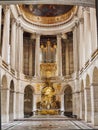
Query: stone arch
11	101
95	75
68	100
87	100
28	101
4	81
4	99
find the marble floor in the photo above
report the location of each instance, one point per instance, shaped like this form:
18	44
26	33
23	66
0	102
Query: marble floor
46	123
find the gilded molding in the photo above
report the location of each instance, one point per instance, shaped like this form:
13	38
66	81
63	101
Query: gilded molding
47	20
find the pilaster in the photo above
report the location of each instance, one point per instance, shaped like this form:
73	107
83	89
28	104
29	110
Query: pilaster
6	34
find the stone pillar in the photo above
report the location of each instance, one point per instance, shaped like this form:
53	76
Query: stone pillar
74	103
87	33
30	59
5	105
6	33
13	43
93	24
34	104
14	107
62	104
67	58
94	103
76	100
37	56
81	104
16	49
81	44
19	105
20	49
75	49
87	104
59	55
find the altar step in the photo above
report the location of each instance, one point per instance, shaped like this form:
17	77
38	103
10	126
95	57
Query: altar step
46	118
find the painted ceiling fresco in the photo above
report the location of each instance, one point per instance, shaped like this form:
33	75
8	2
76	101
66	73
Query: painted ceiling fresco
48	10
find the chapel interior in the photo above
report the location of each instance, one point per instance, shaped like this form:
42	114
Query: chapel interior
49	60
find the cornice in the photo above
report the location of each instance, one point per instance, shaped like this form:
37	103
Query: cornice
45	29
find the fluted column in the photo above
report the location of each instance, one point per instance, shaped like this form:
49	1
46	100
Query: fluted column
37	56
6	33
93	23
16	49
67	58
81	44
59	55
30	59
87	33
13	42
75	49
20	49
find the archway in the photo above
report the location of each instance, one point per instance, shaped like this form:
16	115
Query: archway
11	101
28	101
4	100
68	101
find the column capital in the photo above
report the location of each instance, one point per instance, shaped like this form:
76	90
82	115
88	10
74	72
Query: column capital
6	8
13	20
81	20
59	35
86	9
38	35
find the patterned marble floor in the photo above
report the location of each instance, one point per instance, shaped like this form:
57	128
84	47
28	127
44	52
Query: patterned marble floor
46	125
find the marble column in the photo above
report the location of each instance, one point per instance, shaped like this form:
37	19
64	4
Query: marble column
67	58
13	42
93	24
87	33
37	56
81	44
59	55
94	103
75	49
16	49
20	49
6	33
30	59
87	104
